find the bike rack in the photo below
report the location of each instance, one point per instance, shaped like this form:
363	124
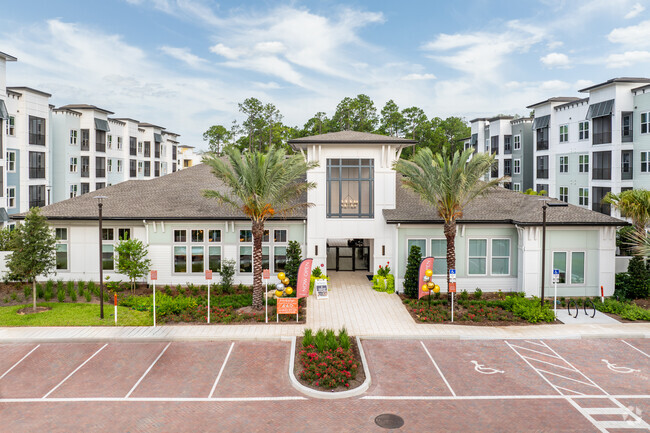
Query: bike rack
593	307
568	308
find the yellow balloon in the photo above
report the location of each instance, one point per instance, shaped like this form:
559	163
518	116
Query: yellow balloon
285	281
431	284
428	272
279	293
281	276
289	290
425	288
436	289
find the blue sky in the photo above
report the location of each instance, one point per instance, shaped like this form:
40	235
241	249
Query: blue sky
185	64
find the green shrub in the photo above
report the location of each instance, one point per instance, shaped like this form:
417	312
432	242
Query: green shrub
478	293
344	339
49	285
48	292
464	296
40	293
227	275
320	340
529	309
27	291
312	280
14	296
92	288
412	275
317	272
70	288
168	290
384	284
307	338
88	295
60	295
635	283
626	310
81	286
294	257
332	342
73	296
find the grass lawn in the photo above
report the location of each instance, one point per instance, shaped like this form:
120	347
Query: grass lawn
81	314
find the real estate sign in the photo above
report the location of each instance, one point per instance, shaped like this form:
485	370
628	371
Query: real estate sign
304	274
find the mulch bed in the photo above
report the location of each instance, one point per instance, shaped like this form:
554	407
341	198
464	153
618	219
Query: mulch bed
355	383
30	310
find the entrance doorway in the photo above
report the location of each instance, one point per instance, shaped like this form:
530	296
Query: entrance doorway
348	255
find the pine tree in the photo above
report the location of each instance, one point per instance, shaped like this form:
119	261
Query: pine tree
33	247
637	283
411	283
294	257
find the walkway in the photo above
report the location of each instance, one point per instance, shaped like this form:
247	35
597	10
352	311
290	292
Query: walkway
351	303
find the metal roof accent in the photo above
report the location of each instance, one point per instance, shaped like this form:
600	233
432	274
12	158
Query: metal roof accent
101	125
600	109
541	122
4	114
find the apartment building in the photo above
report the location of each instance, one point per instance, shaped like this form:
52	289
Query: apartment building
7	128
587	147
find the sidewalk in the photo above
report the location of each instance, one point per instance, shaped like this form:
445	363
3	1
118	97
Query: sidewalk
351	303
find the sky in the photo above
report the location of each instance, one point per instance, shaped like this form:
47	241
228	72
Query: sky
186	64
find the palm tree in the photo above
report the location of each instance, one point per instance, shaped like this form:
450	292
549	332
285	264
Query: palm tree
261	185
448	182
633	204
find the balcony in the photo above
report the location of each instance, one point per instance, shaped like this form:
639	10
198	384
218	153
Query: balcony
38	139
133	150
100	172
542	144
542	173
599	173
37	172
602	137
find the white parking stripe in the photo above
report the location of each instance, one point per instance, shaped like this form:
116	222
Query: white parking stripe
221	370
568	378
638	350
75	370
531	350
437	368
146	399
148	369
545	362
21	360
570	390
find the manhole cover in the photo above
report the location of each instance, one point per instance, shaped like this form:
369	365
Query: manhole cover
389	420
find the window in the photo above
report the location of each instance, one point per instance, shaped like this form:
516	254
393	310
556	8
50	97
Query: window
100	141
350	188
133	146
140	166
85	188
564	133
11	161
507	144
180	236
147	149
517	166
36	196
214	259
100	166
100	185
542	167
542	138
85	139
214	235
11	126
602	130
119	143
139	147
36	130
197	259
597	196
109	165
246	259
85	166
124	234
542	189
516	187
583	130
156	168
564	194
564	164
110	141
573	271
108	257
602	166
108	234
626	164
645	162
197	235
583	163
583	196
500	256
439	254
73	164
133	171
37	165
645	122
279	235
507	167
119	166
147	168
74	190
494	170
477	257
156	149
180	259
626	127
73	137
279	259
422	243
61	235
517	142
11	196
245	236
494	145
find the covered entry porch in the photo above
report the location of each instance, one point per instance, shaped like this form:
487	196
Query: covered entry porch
348	255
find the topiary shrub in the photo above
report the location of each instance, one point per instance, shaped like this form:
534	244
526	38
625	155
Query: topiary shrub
294	257
412	275
635	283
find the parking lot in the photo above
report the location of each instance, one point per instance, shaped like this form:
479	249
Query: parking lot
434	385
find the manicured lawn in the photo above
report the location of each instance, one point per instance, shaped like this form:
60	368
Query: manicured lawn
64	314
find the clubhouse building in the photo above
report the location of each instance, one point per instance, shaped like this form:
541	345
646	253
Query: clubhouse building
362	218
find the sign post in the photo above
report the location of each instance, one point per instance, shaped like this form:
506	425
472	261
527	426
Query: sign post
154	277
452	290
208	276
556	278
115	309
266	276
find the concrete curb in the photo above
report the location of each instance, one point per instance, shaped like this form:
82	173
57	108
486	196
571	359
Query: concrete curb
324	394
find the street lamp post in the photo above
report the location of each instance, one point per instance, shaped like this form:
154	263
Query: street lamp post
545	206
100	204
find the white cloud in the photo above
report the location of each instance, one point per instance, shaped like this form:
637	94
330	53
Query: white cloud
555	60
554	44
554	85
271	47
270	85
636	36
227	52
582	84
415	77
184	55
627	59
636	10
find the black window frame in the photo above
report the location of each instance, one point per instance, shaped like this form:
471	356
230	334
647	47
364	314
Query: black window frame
37	130
337	165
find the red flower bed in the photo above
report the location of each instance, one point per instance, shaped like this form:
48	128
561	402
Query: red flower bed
328	369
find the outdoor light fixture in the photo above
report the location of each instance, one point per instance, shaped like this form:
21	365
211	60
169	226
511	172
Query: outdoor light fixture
545	206
100	199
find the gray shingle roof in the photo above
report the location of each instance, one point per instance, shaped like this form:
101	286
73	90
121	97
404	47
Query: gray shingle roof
352	137
171	197
499	205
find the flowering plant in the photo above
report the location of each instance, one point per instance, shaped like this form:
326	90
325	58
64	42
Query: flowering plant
383	272
329	368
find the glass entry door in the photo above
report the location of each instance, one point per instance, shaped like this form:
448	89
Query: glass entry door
351	258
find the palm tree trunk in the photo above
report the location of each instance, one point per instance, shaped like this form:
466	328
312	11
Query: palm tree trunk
450	235
258	234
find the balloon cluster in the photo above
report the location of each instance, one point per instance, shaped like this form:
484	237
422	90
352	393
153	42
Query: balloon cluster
282	288
428	284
